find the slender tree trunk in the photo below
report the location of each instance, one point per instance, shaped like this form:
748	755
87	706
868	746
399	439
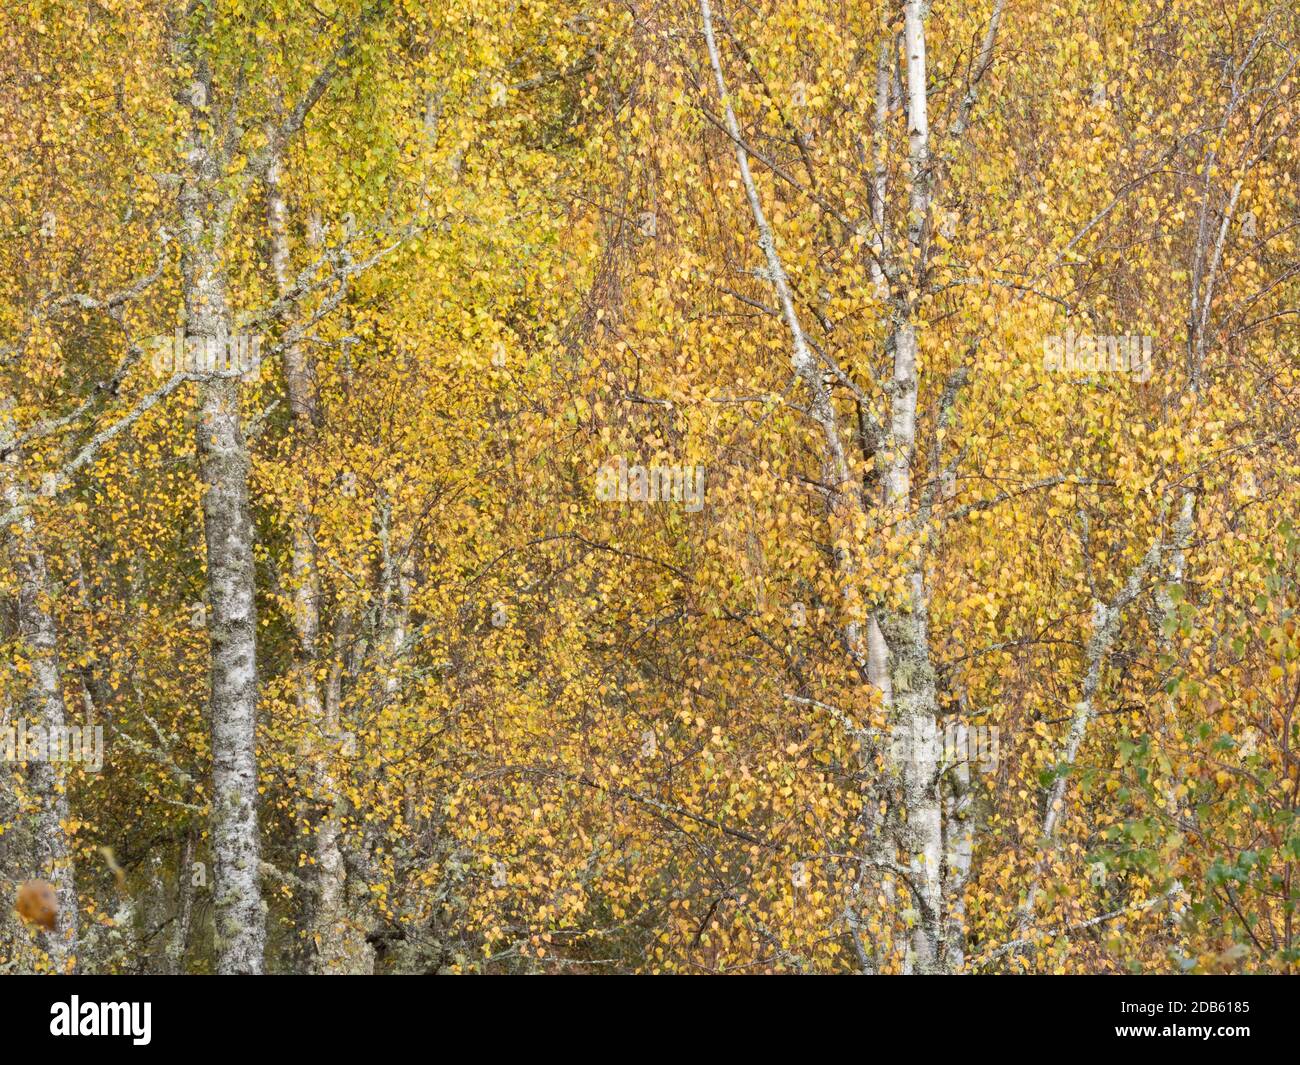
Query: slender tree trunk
897	657
358	904
327	926
51	849
959	850
228	534
1105	627
223	464
917	749
178	943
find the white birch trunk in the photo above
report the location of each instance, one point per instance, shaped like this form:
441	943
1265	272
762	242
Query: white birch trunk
51	856
240	933
917	749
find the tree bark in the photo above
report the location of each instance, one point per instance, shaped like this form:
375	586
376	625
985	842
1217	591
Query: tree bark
228	534
51	850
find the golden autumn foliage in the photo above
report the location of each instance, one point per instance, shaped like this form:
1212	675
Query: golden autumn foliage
776	487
